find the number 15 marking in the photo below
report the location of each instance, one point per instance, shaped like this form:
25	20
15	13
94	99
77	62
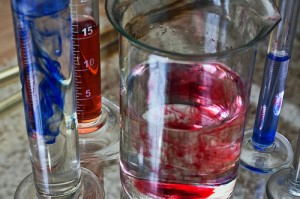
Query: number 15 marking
87	31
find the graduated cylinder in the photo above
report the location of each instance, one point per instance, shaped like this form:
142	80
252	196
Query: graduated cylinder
43	37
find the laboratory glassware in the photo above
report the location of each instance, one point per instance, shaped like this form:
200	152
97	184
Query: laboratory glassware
186	71
250	184
98	118
43	38
285	183
264	149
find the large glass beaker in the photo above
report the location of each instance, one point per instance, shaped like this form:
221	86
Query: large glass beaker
186	71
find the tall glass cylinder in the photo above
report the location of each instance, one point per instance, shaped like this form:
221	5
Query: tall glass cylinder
186	70
86	45
285	183
98	118
44	46
264	149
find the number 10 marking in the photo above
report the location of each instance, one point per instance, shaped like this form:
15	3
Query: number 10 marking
90	62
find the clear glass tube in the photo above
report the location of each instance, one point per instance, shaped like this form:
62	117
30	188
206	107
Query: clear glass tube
98	118
43	37
265	149
294	177
276	69
285	183
87	71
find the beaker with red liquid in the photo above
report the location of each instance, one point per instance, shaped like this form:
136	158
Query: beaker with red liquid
98	118
186	71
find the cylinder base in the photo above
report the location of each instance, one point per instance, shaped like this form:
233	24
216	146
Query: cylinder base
269	160
103	143
90	189
277	186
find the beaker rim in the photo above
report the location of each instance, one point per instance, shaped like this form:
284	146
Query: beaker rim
275	19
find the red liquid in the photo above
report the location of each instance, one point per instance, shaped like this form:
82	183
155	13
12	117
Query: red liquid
26	70
172	190
186	140
87	71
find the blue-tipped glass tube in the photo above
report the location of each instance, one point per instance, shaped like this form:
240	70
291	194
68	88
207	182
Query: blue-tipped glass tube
270	101
264	149
44	48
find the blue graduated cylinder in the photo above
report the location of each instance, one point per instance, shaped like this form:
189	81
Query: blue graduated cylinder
270	100
43	31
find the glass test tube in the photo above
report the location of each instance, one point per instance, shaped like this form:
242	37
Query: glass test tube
285	183
43	37
267	150
98	118
276	69
86	49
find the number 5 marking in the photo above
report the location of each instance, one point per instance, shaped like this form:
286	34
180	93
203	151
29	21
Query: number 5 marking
88	93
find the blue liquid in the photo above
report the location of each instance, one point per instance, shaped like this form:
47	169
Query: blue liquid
42	30
270	100
38	8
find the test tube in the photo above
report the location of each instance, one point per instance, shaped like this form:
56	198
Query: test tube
264	149
98	118
86	44
285	183
43	39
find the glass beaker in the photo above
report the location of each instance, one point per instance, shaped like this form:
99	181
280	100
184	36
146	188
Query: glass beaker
186	71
